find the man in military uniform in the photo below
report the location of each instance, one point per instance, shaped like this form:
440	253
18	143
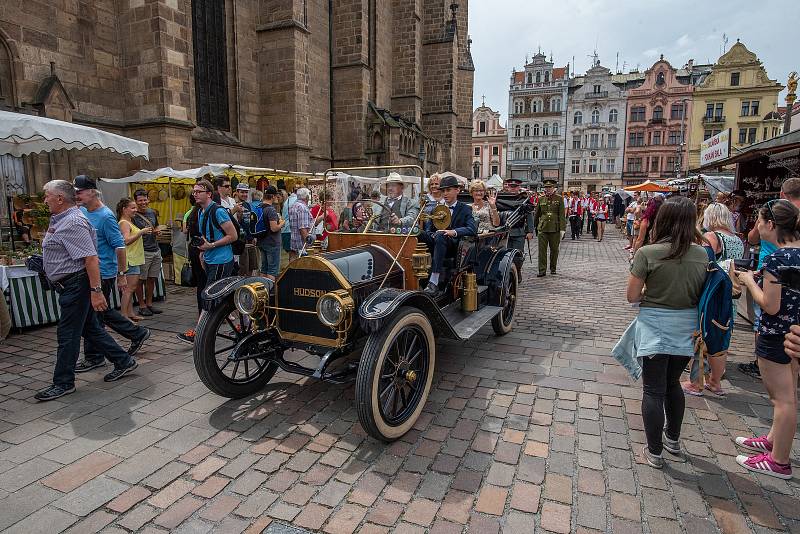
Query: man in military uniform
523	230
550	224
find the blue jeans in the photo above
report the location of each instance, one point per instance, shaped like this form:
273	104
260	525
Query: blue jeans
78	319
114	320
270	259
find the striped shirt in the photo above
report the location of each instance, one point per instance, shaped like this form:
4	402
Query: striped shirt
299	217
69	239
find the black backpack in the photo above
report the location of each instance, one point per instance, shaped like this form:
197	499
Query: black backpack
237	246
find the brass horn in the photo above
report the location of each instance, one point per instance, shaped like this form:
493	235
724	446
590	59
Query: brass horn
440	216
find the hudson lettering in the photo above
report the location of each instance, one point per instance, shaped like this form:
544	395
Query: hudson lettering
305	292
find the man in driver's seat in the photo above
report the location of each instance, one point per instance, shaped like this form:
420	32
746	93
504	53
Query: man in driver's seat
444	243
402	210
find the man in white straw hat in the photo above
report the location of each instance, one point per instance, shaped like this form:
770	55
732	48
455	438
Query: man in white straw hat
402	210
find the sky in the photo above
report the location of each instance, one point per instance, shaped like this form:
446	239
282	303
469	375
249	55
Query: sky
503	32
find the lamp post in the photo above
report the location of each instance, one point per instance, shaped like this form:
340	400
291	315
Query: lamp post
422	157
681	143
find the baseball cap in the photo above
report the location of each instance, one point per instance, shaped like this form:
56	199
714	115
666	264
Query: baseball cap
242	186
83	182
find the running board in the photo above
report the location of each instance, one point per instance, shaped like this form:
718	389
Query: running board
465	324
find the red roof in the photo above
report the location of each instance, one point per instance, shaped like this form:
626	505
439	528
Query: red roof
558	73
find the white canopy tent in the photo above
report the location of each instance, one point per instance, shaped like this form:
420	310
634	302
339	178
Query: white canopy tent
22	134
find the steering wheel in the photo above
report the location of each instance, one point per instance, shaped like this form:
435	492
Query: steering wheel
373	216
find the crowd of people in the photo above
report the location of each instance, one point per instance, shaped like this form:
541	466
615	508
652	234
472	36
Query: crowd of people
667	277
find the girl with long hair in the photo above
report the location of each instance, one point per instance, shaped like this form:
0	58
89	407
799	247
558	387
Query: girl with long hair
780	308
134	251
666	281
600	217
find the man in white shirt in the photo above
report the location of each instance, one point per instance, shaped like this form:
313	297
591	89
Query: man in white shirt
223	185
630	215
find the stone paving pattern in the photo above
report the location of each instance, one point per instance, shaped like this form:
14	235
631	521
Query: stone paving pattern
537	431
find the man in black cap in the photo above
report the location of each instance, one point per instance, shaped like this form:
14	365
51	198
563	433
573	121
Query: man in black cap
113	264
443	243
551	224
523	230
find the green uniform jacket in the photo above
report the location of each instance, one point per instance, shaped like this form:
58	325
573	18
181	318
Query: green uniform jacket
550	215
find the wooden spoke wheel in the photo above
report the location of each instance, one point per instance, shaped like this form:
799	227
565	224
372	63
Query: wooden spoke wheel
395	374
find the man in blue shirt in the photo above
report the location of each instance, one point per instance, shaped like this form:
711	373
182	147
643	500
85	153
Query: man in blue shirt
113	263
217	232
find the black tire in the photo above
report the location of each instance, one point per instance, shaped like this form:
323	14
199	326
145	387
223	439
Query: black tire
503	321
212	337
379	374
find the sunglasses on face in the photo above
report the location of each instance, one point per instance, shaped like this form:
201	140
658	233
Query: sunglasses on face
769	207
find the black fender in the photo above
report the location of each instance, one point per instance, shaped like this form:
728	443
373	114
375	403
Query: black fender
381	306
221	289
497	273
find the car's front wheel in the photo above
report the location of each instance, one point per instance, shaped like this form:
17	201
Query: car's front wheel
394	375
231	359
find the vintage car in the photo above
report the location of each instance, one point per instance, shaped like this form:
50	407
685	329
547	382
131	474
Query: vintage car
363	297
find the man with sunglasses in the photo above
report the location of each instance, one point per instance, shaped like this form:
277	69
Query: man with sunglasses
223	195
790	190
217	232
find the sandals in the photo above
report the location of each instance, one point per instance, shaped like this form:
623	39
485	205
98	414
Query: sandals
691	389
718	392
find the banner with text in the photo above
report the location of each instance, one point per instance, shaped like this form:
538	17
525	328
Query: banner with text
715	148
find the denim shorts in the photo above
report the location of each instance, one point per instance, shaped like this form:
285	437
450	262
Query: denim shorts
270	260
134	269
629	227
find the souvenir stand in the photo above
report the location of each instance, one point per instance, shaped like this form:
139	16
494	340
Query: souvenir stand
761	170
20	135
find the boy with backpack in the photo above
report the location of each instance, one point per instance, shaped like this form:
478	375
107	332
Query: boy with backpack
244	213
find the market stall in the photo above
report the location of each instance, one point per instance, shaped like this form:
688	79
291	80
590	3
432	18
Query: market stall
21	135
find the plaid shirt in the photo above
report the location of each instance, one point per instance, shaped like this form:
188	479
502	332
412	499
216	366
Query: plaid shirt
299	217
69	239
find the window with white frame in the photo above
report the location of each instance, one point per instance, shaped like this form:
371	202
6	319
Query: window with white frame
612	115
495	151
576	141
610	165
545	153
612	140
592	166
595	116
577	118
576	166
545	129
526	153
477	151
535	154
517	130
555	128
527	130
535	129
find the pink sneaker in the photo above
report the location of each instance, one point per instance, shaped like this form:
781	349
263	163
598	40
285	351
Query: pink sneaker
763	463
759	444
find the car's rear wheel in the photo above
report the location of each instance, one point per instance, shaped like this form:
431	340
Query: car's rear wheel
225	349
394	375
503	321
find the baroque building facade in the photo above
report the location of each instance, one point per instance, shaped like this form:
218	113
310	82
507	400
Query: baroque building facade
595	140
658	122
537	103
489	142
294	84
737	94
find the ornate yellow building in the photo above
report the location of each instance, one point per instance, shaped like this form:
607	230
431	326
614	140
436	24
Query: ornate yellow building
736	94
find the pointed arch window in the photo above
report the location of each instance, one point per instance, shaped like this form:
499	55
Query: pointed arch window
210	64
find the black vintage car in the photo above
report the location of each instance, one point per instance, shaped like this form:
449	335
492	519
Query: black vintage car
361	296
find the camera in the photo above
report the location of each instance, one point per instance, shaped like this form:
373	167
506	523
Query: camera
789	276
747	264
196	241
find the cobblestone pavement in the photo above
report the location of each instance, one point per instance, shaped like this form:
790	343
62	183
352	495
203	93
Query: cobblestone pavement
539	431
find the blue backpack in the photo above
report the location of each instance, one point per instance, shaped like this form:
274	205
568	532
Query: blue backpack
715	311
258	226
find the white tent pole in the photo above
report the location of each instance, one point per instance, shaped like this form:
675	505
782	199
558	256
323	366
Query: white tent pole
169	192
